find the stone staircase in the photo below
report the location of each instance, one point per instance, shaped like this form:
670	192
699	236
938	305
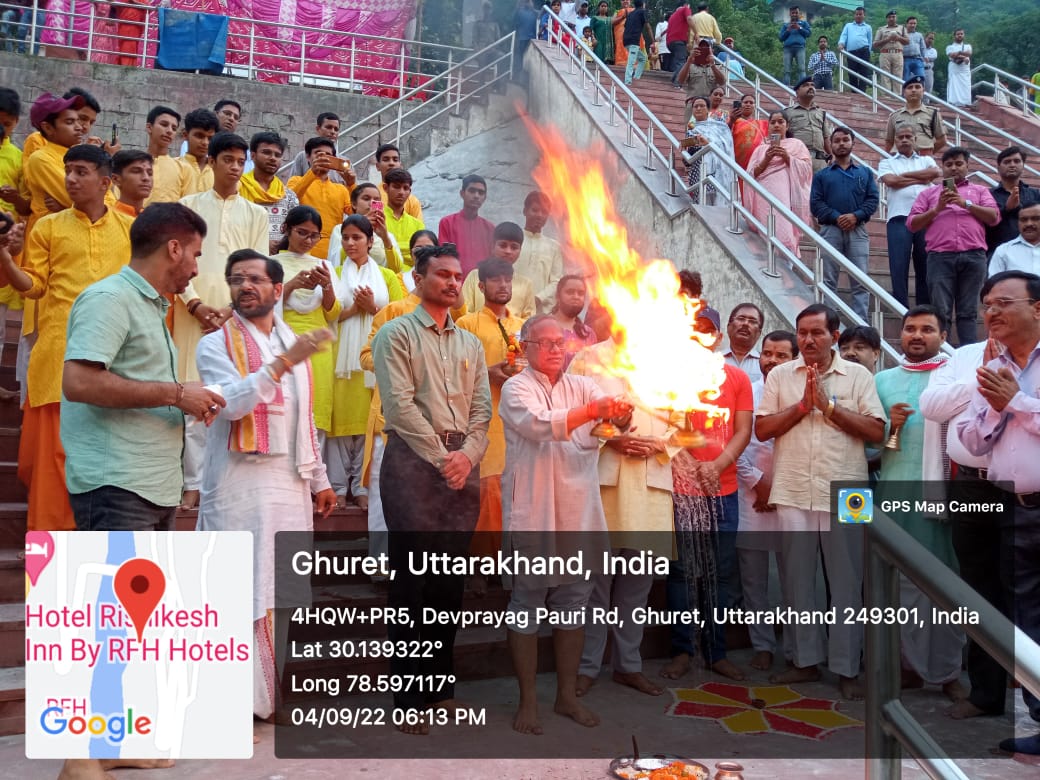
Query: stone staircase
853	111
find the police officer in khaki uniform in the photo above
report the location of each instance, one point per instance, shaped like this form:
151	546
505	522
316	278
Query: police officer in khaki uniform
808	123
929	133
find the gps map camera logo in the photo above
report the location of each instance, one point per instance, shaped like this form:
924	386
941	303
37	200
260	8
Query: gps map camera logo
855	505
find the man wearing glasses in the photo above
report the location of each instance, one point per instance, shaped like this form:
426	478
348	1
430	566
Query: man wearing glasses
1002	424
550	484
437	406
743	330
954	215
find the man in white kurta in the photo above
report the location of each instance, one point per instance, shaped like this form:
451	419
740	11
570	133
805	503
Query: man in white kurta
958	71
541	257
551	483
262	461
232	223
635	478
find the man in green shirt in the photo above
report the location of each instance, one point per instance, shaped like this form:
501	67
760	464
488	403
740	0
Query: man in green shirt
122	415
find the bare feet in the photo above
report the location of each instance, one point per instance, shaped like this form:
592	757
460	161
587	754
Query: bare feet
851	688
341	502
189	499
576	711
362	502
763	661
136	763
8	395
526	719
415	722
727	668
964	709
796	675
909	679
581	687
256	738
636	680
478	585
448	705
677	667
83	769
954	691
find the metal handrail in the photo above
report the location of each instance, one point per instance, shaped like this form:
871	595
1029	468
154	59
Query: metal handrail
1027	102
433	54
889	551
883	300
956	128
454	78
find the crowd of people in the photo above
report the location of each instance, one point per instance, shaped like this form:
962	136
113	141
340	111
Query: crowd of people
286	346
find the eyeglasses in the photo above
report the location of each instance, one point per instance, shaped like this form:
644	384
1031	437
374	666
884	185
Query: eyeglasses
307	235
231	114
237	280
745	320
999	304
548	344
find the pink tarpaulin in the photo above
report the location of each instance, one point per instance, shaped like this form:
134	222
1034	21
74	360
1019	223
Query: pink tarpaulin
276	50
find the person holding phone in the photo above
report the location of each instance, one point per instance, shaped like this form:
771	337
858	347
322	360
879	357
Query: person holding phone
793	35
954	216
701	74
364	199
316	188
703	130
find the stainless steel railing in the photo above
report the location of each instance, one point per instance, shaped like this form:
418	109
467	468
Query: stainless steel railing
643	130
890	728
1021	98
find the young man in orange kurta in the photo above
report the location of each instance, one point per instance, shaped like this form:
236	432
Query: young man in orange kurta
315	189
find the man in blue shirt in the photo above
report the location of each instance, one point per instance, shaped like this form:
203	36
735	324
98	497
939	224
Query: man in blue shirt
856	37
793	36
844	196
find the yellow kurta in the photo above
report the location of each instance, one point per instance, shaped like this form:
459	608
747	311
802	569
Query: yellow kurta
351	400
484	325
33	143
10	174
411	206
402	230
303	313
64	255
329	199
541	261
170	180
523	301
192	179
232	223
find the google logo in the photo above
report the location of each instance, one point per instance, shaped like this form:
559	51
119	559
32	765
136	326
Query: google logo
114	728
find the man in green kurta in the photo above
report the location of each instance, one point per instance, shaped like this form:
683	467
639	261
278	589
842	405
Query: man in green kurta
932	653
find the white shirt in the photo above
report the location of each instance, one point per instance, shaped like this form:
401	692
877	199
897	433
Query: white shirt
569	12
930	56
755	461
1015	255
900	201
660	35
948	396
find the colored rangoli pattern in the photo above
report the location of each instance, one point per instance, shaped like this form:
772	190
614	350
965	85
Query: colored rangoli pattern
776	708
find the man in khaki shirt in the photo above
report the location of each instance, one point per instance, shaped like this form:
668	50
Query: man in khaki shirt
437	403
821	410
929	133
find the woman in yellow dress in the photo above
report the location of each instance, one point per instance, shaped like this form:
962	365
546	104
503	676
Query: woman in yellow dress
309	301
363	288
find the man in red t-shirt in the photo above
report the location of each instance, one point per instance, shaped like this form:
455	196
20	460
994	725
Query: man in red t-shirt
471	234
678	32
704	494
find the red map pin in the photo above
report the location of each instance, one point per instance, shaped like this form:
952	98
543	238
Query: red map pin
139	586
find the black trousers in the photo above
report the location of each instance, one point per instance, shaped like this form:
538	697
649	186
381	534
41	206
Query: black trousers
859	75
424	516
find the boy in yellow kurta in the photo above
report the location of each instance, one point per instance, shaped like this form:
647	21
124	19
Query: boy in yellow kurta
195	174
167	175
314	189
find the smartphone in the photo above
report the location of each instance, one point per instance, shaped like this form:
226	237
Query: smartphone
774	139
737	105
950	184
377	205
339	164
115	134
6	223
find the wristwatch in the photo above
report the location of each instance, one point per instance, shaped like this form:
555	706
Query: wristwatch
968	204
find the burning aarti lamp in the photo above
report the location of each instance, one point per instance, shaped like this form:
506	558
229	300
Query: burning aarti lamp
606	430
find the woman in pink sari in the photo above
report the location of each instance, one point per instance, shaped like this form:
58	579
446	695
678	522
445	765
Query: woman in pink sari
782	165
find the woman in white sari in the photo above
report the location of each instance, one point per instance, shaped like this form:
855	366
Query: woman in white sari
705	129
364	287
385	250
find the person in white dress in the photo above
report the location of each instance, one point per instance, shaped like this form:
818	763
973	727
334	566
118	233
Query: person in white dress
958	71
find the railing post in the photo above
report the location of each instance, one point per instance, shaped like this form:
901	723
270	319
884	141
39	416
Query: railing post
957	130
512	55
612	121
770	248
818	273
630	117
32	28
353	54
874	91
90	34
881	587
303	54
650	147
400	93
447	90
144	38
596	97
671	173
252	49
734	212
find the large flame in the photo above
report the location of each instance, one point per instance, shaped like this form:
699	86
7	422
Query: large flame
659	354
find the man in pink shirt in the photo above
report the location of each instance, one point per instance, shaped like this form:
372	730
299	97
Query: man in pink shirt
954	215
471	234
